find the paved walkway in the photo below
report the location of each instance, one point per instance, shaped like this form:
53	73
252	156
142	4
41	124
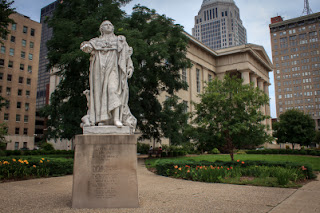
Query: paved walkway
163	194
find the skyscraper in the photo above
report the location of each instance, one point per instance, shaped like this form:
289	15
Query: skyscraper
44	75
296	58
218	24
19	61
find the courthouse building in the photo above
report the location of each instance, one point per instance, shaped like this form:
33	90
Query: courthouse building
218	25
19	62
295	53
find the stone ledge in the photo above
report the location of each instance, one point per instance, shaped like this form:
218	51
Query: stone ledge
106	130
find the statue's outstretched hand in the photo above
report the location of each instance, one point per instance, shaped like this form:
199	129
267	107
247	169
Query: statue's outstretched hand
86	47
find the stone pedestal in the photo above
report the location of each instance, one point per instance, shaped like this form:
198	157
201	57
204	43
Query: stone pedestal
105	172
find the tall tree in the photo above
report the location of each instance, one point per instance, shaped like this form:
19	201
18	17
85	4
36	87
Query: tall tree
174	121
229	113
159	54
295	127
5	11
74	22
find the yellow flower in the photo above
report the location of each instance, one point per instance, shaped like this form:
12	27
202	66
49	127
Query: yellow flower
25	161
34	166
41	161
176	167
42	158
14	160
179	169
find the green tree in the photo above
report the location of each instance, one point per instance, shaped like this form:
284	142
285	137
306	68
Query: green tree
175	121
74	22
159	53
229	113
5	11
295	127
316	138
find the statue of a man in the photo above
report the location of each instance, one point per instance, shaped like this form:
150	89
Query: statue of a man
110	66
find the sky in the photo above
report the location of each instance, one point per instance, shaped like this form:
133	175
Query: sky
255	15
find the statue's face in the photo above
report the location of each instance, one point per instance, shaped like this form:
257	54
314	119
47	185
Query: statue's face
107	27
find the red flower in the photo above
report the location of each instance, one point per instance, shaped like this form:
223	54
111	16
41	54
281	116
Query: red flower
238	160
242	162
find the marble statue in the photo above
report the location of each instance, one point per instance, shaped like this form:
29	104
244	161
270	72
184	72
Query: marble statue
110	67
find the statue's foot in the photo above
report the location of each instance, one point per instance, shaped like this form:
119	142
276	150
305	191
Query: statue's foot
118	124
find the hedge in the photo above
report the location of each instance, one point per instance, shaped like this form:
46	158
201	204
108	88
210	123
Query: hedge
162	166
36	152
285	152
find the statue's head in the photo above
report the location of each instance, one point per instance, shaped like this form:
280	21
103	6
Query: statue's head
106	27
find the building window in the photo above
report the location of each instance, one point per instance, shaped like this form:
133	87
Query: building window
21	67
16	145
9	77
3	49
28	81
19	92
25	131
32	32
11	53
25	144
185	110
23	54
1	75
26	106
209	77
184	75
17	131
25	29
14	27
18	117
31	44
29	68
198	80
6	117
7	104
10	64
20	80
30	56
8	90
1	62
13	39
27	93
24	42
0	89
26	118
18	105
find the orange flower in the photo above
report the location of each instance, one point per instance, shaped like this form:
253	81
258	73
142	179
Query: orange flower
188	171
34	166
221	167
303	168
187	166
41	161
242	162
48	160
218	167
176	167
238	160
179	169
14	160
200	167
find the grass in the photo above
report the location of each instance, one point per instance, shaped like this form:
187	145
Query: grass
313	161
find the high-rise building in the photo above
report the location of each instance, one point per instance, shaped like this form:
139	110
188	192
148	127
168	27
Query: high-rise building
218	25
296	58
44	75
19	62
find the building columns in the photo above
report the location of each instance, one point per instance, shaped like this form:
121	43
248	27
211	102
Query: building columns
245	75
253	78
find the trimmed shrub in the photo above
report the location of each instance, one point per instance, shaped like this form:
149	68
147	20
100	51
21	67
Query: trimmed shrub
215	151
285	152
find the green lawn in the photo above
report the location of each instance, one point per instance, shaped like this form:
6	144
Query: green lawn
312	160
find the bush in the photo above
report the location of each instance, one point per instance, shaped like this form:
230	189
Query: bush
142	148
215	151
284	151
38	152
47	146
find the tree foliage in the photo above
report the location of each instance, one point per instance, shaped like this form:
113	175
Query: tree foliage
295	127
228	115
5	11
174	121
159	50
159	54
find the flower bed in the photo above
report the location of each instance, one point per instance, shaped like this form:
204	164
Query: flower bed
17	169
267	174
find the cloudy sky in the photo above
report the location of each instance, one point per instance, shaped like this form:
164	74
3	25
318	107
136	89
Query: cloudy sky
255	15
